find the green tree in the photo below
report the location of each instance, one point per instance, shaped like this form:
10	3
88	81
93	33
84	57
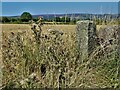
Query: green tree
0	19
26	16
13	19
57	19
65	19
5	19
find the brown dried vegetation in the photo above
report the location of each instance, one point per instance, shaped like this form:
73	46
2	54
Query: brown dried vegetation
37	59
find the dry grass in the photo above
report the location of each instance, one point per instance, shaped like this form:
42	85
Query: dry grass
19	27
59	55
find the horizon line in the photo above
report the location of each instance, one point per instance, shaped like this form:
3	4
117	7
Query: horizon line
61	14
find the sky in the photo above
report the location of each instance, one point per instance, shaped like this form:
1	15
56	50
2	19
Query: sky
60	0
36	8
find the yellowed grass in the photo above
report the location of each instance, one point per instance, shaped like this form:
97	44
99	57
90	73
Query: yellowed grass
19	27
82	76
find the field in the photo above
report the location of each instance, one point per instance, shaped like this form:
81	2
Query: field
52	62
19	27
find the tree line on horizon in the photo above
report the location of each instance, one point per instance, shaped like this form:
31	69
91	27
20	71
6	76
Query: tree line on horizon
25	17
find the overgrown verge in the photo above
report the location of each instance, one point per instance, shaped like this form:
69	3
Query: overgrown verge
50	60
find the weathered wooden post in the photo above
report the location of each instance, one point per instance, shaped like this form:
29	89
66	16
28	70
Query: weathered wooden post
86	34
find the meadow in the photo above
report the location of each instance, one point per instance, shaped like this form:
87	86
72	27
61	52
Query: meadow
52	62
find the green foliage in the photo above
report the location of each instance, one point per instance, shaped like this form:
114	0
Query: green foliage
5	19
65	19
57	19
13	19
62	19
26	16
34	19
0	19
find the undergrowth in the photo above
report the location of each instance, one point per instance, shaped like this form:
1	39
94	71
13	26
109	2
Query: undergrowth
50	60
